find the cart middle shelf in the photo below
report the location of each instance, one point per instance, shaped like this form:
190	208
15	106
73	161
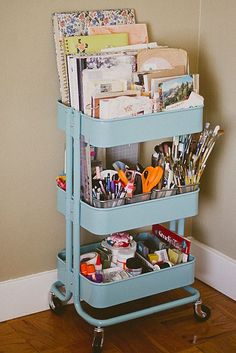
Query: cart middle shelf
102	221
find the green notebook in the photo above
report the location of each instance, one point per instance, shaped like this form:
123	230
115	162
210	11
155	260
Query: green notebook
94	43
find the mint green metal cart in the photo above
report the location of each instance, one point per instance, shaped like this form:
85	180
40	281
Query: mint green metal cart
173	209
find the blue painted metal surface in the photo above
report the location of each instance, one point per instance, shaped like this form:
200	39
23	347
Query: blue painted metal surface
78	214
102	221
114	132
102	295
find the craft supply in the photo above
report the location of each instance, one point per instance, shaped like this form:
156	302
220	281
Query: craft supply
153	258
174	256
114	274
98	265
122	257
134	266
84	269
91	273
162	255
165	264
151	177
89	258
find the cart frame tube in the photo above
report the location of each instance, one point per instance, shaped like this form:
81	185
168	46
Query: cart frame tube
194	293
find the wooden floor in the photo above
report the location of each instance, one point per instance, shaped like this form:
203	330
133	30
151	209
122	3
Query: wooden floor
171	331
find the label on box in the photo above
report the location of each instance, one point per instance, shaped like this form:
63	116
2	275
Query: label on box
175	240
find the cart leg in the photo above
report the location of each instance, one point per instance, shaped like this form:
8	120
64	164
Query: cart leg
201	311
58	297
98	339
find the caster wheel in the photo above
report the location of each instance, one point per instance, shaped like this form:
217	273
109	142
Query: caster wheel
97	348
55	304
201	312
98	340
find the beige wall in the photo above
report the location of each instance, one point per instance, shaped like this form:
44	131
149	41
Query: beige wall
216	224
31	154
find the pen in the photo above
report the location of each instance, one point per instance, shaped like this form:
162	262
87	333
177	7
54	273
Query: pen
102	187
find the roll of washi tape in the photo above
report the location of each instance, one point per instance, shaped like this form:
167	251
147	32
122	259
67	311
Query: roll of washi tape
89	258
165	264
153	258
134	266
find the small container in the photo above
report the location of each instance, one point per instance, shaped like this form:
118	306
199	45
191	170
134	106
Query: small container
134	267
165	264
92	275
108	203
98	269
91	272
89	258
84	269
116	250
159	193
187	188
114	274
138	198
122	257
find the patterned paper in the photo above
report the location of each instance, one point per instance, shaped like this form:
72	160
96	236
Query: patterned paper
77	23
94	44
137	32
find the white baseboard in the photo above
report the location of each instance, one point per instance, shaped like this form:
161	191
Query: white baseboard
27	295
215	269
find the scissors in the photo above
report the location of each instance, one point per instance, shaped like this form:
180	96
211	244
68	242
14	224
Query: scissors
151	177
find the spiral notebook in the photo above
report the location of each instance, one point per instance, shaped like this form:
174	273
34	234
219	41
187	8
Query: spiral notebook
76	23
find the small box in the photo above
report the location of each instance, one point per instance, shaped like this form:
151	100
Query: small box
159	193
138	198
108	203
187	188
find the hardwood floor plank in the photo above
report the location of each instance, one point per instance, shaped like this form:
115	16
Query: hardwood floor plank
191	350
46	330
222	344
170	331
12	342
131	338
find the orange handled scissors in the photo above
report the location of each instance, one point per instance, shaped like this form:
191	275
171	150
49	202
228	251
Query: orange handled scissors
151	177
122	176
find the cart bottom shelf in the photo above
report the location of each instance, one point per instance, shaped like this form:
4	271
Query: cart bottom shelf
102	295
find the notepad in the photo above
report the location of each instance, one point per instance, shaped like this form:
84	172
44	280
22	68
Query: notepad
124	107
162	59
94	43
137	33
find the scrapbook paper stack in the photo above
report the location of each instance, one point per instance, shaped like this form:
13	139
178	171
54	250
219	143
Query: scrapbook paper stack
76	24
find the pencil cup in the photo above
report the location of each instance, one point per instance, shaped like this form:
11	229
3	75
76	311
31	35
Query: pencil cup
108	203
138	198
159	193
187	188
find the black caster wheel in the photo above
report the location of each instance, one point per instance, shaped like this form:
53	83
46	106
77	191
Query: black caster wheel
55	304
201	311
98	340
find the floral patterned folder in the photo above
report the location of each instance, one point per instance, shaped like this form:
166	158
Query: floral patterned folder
77	23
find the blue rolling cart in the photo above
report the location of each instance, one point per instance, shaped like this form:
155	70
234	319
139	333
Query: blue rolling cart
172	209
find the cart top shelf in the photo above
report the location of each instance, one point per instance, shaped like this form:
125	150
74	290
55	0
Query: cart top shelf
121	131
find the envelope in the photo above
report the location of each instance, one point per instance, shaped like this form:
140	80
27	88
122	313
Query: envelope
162	59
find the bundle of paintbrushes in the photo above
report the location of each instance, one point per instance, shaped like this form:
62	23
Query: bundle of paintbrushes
184	159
